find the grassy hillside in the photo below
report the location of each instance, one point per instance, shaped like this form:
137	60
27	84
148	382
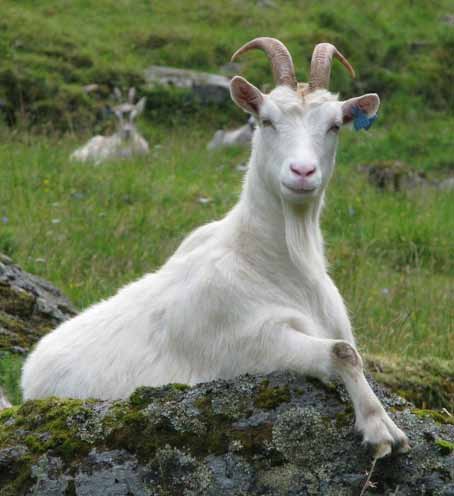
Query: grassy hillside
91	229
49	50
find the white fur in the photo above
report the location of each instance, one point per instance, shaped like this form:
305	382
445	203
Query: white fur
248	293
4	403
124	143
238	137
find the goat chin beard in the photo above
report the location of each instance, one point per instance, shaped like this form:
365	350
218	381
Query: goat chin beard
303	238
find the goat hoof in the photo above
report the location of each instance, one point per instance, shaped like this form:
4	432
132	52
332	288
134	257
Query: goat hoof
381	450
403	446
383	436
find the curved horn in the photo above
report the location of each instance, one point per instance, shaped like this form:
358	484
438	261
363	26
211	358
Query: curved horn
279	56
322	57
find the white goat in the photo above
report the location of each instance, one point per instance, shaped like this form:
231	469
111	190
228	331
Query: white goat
125	143
248	293
4	403
239	137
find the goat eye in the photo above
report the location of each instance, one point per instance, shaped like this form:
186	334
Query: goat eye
267	123
334	128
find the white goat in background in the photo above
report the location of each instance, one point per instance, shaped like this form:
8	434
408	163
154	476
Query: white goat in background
248	293
124	143
4	403
233	137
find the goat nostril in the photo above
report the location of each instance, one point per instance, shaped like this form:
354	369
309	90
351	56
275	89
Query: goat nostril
296	170
303	170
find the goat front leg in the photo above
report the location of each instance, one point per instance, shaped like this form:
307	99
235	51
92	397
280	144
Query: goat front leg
327	357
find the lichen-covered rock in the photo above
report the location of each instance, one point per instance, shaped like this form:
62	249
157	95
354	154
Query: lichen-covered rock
279	434
29	307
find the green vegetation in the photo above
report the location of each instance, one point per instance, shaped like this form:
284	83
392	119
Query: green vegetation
50	50
90	230
427	381
446	447
269	397
441	418
10	366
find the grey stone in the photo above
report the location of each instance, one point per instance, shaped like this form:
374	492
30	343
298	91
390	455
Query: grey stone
272	435
9	456
205	87
113	473
448	19
446	184
394	175
29	307
49	481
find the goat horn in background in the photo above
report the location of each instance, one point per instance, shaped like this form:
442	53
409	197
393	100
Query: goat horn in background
322	57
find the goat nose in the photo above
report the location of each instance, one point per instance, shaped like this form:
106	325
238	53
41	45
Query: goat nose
303	170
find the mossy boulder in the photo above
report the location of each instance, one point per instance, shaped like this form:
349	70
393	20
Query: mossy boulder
255	435
29	308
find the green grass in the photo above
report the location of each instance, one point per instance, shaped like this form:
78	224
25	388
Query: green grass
10	366
90	230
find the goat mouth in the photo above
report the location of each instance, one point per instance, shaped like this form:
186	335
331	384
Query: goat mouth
299	191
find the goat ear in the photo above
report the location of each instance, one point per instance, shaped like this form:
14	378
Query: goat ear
117	93
138	108
140	105
368	104
246	95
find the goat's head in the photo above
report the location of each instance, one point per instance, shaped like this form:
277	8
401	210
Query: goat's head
297	124
127	113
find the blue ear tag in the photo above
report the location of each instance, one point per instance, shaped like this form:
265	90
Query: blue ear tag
360	119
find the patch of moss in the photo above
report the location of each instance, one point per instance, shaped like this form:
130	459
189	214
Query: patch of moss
10	322
71	489
19	478
143	396
8	413
446	447
439	417
47	427
269	397
254	439
16	302
428	383
203	403
180	387
14	332
136	433
21	326
345	417
42	427
134	426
